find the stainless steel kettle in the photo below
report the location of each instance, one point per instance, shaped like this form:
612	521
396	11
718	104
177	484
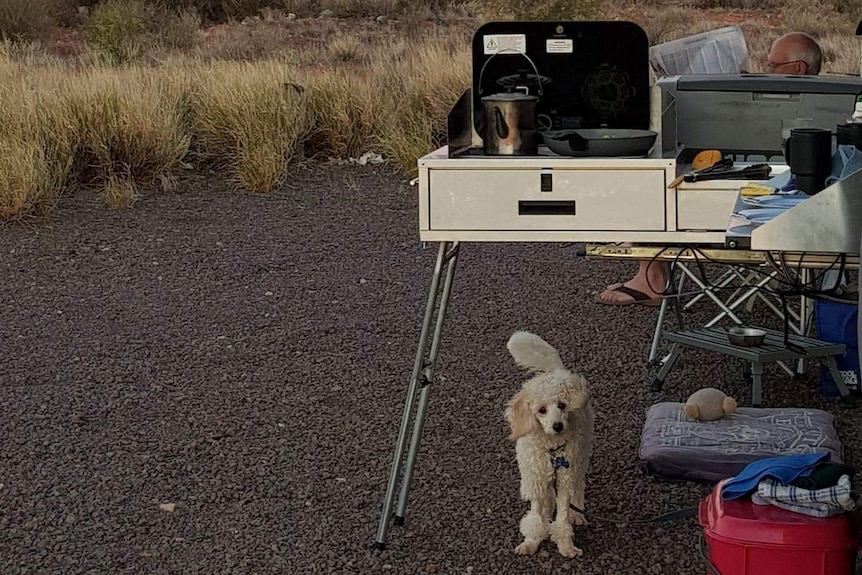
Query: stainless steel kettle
508	122
509	125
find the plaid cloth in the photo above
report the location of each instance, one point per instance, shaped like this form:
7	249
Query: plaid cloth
820	503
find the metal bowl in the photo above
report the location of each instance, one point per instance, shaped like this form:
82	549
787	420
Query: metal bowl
745	336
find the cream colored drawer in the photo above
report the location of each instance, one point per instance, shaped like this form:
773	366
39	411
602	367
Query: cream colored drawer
579	199
705	209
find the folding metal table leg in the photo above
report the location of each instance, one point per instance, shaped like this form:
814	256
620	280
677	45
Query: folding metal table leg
725	309
749	304
425	383
804	312
659	327
447	253
671	299
724	281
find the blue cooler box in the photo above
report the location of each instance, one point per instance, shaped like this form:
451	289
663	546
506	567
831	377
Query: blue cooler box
836	323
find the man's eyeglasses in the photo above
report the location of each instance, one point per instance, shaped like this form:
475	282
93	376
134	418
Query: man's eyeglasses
771	66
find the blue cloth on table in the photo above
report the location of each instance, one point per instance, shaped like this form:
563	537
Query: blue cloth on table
785	469
846	160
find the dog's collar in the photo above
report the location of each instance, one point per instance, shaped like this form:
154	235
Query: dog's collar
558	460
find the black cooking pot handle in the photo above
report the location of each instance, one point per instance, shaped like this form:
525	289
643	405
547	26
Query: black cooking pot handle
500	123
510	51
577	143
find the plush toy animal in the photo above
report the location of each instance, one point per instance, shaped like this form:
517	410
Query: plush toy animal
709	404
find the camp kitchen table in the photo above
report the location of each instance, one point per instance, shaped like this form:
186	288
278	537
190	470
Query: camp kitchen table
549	198
826	223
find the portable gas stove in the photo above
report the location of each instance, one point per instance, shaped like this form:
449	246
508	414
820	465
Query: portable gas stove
591	75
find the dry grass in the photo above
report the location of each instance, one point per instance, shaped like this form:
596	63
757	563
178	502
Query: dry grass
250	99
413	93
250	119
130	130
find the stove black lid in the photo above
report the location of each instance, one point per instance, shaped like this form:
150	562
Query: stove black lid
587	73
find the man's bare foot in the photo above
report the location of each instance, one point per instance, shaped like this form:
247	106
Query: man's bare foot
634	291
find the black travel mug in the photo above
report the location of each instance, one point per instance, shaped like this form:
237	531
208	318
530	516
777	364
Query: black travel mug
808	152
849	135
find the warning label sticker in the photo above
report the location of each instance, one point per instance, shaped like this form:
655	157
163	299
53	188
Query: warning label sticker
559	46
505	43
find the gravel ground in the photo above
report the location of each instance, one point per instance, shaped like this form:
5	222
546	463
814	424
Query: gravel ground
211	382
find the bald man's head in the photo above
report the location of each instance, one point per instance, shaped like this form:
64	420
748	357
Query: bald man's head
795	53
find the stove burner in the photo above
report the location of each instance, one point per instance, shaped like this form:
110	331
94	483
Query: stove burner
608	90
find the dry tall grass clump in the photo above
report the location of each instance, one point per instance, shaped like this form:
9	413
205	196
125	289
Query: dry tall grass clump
411	97
250	119
37	140
343	115
112	129
131	128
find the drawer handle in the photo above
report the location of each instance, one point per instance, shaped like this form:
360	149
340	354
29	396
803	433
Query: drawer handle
546	208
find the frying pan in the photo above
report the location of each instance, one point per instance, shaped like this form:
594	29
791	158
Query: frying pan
600	142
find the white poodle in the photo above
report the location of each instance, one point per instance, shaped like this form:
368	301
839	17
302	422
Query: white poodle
552	421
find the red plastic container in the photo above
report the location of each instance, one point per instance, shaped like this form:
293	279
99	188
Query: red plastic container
747	539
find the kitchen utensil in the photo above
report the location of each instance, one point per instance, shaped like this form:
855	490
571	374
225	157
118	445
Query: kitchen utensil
745	336
508	121
509	125
761	215
754	172
706	159
600	142
756	190
703	159
780	202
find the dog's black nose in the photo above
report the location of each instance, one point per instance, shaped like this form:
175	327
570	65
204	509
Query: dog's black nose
558	427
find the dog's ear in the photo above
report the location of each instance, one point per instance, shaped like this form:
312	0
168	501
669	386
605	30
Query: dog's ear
521	421
578	394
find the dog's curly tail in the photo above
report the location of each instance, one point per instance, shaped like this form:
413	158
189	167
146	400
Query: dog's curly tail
533	353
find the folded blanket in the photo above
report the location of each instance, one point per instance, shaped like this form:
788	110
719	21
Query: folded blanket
816	503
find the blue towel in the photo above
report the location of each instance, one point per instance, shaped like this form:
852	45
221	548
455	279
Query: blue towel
785	469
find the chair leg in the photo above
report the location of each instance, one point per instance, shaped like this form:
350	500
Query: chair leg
830	364
658	382
756	375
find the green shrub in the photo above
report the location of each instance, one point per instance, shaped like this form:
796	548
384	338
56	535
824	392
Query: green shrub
119	28
542	9
123	28
221	10
26	19
176	29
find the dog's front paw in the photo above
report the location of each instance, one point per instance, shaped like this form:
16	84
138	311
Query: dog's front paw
527	548
570	550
